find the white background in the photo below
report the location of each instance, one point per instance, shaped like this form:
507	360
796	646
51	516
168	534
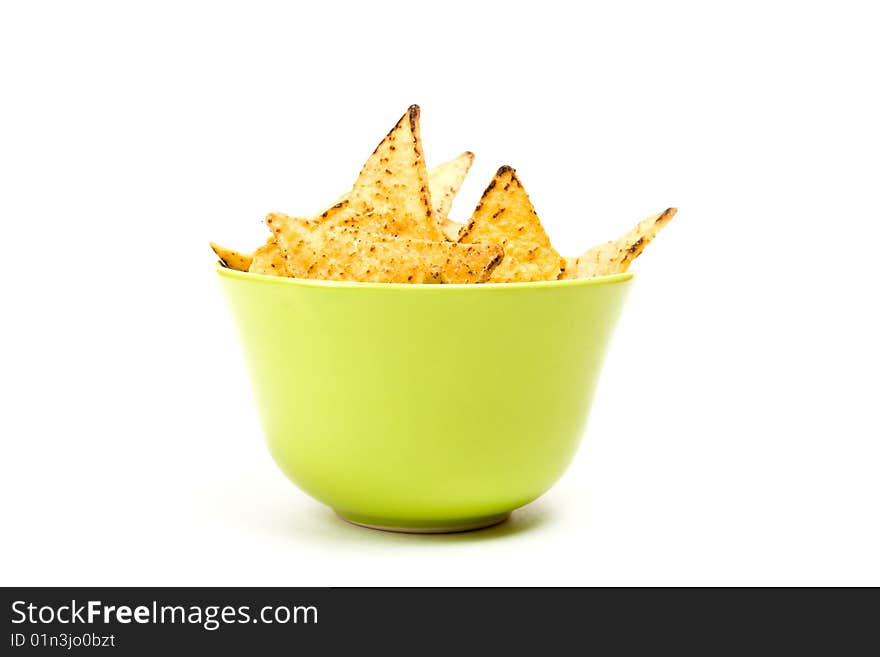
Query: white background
734	438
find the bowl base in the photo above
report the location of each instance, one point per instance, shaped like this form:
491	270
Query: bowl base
440	527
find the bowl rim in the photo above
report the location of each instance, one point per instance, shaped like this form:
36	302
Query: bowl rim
223	270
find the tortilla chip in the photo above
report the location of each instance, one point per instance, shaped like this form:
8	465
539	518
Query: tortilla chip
444	181
316	250
505	216
616	257
232	259
391	194
268	259
391	225
570	270
452	229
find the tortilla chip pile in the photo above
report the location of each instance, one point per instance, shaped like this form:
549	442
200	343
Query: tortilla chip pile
394	227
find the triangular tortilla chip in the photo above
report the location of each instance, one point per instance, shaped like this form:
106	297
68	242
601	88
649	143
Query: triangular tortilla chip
444	181
232	259
615	257
317	250
268	259
505	216
391	195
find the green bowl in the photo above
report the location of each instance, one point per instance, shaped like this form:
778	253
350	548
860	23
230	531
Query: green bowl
423	408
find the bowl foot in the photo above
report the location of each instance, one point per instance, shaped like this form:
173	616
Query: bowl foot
438	527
